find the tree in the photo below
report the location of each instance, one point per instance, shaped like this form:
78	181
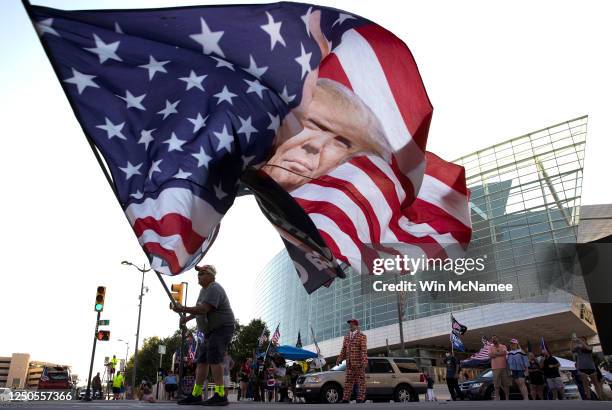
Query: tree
148	357
245	341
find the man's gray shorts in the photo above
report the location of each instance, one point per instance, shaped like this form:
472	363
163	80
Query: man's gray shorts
215	345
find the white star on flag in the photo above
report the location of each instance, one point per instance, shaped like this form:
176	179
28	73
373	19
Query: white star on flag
170	108
174	143
194	80
154	66
198	122
274	122
225	95
219	191
44	26
118	28
246	161
209	40
225	140
253	69
342	17
105	51
155	167
255	87
131	170
112	130
273	29
182	174
132	101
304	61
306	19
202	157
146	137
246	127
286	97
82	81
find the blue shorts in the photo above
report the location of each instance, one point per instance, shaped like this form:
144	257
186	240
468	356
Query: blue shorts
518	374
215	345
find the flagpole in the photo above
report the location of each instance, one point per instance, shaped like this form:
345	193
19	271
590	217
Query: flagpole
314	339
269	343
451	339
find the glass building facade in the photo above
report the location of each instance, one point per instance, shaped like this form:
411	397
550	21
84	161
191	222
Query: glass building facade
524	192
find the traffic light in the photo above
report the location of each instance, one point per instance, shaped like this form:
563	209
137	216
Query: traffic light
100	293
177	292
103	335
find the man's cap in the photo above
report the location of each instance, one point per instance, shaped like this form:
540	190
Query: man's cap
353	321
207	269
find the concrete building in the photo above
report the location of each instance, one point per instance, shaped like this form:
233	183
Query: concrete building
19	372
525	197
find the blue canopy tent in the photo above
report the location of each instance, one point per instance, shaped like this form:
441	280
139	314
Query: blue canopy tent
291	353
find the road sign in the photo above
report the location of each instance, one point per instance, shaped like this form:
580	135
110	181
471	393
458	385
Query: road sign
162	349
104	322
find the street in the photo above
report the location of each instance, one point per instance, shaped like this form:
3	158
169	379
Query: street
547	405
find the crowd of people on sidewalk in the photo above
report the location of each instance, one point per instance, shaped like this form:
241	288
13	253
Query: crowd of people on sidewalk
517	366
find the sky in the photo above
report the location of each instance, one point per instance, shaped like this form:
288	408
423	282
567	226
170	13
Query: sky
493	71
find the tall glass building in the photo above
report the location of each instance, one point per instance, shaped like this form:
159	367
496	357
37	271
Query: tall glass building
524	192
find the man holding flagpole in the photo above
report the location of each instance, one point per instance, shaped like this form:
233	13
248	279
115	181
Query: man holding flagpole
215	317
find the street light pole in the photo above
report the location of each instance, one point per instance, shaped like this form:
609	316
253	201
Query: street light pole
143	271
127	351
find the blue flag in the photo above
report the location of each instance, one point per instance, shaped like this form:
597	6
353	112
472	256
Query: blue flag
457	343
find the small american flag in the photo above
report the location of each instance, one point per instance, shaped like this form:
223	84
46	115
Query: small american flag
275	337
262	340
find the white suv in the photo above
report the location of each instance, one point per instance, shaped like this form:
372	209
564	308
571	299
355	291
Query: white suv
387	378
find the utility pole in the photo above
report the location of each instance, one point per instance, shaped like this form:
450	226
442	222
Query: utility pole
143	271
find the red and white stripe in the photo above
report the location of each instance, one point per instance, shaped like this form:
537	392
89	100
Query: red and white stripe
380	69
173	227
400	206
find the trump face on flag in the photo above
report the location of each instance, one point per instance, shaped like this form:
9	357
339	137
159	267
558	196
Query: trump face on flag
335	126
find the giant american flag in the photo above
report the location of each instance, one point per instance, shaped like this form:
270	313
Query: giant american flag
178	102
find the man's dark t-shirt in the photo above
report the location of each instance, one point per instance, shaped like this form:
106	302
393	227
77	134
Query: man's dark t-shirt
451	367
550	372
222	314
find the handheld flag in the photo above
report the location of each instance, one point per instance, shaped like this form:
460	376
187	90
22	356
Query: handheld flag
480	358
457	343
262	339
543	345
275	337
184	107
457	328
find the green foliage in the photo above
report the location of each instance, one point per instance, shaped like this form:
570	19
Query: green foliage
243	345
148	357
245	341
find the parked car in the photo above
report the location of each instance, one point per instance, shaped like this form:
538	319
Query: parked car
481	388
55	378
387	378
